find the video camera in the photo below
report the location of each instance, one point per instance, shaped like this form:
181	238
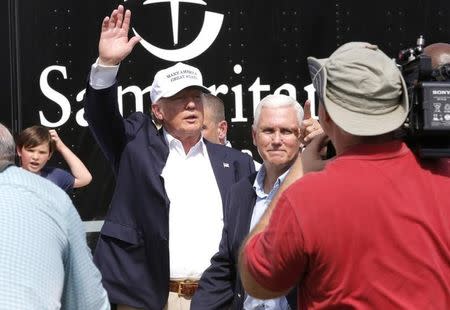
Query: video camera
428	123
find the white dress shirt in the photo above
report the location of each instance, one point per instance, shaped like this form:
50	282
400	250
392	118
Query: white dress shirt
196	216
102	76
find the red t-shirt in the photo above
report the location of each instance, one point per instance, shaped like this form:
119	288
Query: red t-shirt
371	231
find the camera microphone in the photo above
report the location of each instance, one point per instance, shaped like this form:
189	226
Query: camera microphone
409	54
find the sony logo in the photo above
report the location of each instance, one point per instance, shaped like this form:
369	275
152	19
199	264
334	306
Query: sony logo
441	92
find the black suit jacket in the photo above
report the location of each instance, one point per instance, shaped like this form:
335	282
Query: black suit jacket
220	286
133	249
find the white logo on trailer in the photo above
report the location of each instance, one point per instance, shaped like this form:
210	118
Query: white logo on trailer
208	33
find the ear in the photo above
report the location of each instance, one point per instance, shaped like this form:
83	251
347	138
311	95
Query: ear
222	129
19	151
254	136
157	111
324	117
327	116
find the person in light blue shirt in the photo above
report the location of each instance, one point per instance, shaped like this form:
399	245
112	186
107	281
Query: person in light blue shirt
277	133
45	262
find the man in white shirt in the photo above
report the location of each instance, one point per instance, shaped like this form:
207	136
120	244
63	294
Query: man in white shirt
169	182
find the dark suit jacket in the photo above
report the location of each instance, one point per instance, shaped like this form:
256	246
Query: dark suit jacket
220	286
133	249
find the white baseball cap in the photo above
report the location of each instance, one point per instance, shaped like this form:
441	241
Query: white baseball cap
168	82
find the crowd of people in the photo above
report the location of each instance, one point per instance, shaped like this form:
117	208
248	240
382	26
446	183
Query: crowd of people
196	224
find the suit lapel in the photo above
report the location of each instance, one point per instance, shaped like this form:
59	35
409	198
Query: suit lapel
244	205
223	167
246	213
158	148
159	152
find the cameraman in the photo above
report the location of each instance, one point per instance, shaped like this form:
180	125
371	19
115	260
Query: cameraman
372	229
439	53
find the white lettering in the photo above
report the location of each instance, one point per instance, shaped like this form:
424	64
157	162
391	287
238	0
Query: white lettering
138	95
256	89
441	92
238	109
55	96
222	89
141	97
80	114
289	88
310	90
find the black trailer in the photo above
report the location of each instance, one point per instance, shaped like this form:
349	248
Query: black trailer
245	49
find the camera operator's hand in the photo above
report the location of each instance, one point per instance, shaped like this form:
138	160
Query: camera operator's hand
310	127
313	155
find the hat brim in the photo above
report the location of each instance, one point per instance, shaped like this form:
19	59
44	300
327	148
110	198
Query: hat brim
358	124
175	90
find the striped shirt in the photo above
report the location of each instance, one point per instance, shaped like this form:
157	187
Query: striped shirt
45	262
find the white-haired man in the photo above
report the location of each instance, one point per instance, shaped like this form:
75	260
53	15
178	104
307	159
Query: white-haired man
276	134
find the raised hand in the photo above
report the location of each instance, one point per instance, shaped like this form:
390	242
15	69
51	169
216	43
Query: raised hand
77	168
55	137
312	155
310	126
114	44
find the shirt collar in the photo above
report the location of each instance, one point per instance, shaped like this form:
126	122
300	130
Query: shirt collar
379	151
5	164
258	185
173	142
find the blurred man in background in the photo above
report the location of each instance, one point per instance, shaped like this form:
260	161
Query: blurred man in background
45	262
215	126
